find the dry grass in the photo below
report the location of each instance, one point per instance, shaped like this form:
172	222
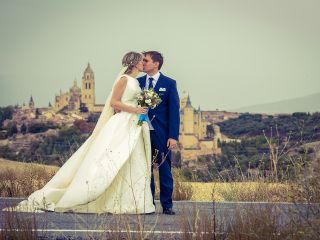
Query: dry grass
181	191
240	191
254	223
15	226
21	166
21	179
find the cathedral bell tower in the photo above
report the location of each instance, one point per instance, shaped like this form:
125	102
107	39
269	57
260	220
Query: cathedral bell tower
87	90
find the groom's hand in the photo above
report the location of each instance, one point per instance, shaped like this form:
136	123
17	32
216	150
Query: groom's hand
172	143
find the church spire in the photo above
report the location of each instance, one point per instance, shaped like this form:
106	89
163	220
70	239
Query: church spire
75	82
31	102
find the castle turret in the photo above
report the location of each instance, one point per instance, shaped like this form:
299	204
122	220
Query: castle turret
188	103
188	117
183	99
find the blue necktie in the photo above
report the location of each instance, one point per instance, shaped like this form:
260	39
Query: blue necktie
151	82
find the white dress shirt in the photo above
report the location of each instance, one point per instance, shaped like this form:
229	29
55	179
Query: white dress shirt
155	80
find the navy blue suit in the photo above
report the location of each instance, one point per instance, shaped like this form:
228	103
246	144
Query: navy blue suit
166	123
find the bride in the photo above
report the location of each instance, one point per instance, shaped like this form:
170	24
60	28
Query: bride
111	171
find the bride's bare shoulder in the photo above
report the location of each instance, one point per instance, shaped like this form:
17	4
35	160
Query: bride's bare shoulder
122	80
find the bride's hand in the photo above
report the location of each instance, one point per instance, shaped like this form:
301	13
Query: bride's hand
141	110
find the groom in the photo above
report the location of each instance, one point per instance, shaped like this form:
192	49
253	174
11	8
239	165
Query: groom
165	121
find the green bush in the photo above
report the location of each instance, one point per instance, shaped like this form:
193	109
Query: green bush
5	113
12	129
5	152
38	127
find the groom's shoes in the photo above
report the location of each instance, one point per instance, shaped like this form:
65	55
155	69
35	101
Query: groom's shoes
168	211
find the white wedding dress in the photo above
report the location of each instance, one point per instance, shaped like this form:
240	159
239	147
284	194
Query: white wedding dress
113	175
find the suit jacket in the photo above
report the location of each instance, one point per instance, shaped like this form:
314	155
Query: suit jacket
166	116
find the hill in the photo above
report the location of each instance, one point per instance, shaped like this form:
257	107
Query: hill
310	103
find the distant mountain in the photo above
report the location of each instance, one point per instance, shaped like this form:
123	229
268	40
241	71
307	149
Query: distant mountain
310	103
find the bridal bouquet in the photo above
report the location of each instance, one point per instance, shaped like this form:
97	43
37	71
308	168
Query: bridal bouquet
147	98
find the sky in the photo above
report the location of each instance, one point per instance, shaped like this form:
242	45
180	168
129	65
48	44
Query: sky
225	53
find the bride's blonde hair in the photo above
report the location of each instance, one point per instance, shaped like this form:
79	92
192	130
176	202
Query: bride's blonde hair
130	60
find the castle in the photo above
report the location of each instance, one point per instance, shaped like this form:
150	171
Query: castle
197	135
78	97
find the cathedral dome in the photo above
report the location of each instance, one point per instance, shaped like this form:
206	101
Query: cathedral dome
75	87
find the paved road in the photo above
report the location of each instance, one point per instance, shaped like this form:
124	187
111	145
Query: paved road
78	226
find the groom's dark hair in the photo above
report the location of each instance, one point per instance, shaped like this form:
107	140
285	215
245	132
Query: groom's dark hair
155	56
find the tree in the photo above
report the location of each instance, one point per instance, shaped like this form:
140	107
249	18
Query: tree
84	126
6	113
12	129
23	129
83	107
210	131
38	127
37	113
6	152
93	117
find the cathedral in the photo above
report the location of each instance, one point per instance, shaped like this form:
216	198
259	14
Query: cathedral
77	97
198	136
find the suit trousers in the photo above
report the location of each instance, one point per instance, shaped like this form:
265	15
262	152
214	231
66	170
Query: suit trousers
163	160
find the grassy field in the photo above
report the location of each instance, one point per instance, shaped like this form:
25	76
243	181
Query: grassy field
15	176
18	166
18	179
240	191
